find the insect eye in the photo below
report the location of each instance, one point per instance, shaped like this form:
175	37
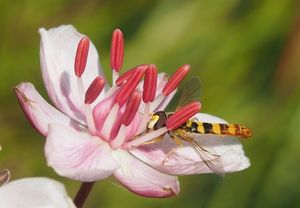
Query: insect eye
153	120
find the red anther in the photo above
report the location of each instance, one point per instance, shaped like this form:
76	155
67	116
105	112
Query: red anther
127	89
131	108
150	84
81	56
94	90
182	115
117	50
175	79
126	75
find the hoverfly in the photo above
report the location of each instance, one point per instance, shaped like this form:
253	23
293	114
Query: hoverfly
188	131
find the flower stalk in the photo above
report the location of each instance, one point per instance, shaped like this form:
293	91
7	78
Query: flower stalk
83	193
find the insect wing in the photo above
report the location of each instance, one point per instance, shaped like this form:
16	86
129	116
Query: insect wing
210	159
190	92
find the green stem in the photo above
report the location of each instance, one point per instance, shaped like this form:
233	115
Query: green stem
83	193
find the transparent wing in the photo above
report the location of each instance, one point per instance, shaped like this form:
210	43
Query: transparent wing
210	159
190	92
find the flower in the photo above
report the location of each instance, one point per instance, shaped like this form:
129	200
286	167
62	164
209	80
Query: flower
99	130
34	193
4	175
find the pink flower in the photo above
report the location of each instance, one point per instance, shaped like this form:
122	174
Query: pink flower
99	131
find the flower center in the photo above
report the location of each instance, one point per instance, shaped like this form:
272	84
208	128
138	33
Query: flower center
121	117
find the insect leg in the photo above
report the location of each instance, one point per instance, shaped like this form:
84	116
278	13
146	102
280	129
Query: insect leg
179	144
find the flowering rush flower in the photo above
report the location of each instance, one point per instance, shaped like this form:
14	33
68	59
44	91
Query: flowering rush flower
34	193
97	130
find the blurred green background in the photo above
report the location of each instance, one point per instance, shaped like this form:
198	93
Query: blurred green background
246	53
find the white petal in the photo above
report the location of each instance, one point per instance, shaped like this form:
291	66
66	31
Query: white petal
78	155
34	193
58	49
144	180
204	117
38	111
185	160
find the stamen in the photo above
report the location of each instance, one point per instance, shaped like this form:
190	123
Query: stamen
175	79
120	138
87	108
80	88
89	119
111	91
115	76
150	84
145	119
109	121
131	108
182	115
117	50
94	90
158	100
81	56
127	89
145	138
126	75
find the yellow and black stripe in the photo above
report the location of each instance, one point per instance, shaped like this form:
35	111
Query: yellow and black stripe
219	129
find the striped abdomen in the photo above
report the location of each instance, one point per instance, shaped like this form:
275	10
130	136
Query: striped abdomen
219	129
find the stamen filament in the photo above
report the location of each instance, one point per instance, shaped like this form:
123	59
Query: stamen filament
158	100
87	108
81	89
115	76
109	121
145	138
89	119
120	138
111	91
145	119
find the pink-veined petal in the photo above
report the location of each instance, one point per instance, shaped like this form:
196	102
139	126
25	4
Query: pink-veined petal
38	111
185	161
34	193
78	155
144	180
57	51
